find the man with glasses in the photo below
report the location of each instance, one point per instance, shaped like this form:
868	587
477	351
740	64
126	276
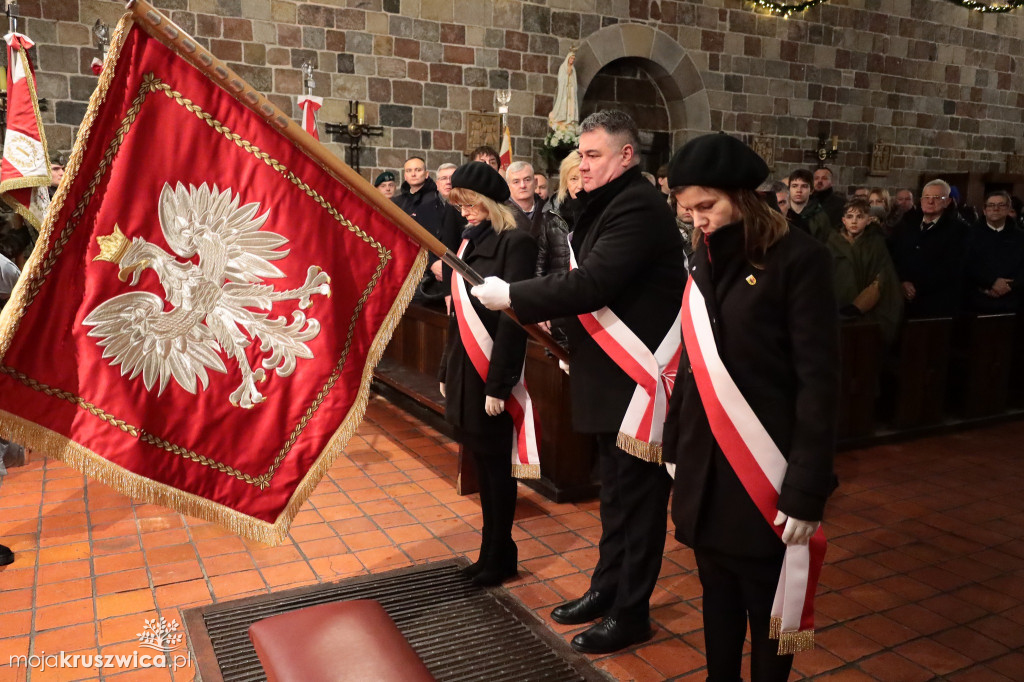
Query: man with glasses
929	256
995	259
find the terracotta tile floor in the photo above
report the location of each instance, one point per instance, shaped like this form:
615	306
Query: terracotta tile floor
924	574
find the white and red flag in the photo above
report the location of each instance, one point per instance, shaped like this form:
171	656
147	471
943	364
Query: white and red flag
310	105
25	171
505	155
97	65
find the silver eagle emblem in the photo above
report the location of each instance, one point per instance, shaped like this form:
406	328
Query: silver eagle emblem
214	305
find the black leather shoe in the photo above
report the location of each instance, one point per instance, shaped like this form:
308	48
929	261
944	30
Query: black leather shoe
611	635
6	556
591	606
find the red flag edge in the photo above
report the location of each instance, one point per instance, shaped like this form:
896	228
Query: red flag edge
35	181
61	448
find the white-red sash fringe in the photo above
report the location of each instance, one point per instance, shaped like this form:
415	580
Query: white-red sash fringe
654	373
479	345
761	468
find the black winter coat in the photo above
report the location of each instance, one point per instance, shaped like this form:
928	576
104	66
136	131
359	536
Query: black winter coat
933	260
431	211
779	339
550	233
630	258
991	255
511	255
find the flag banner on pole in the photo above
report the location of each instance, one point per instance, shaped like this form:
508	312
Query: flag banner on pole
25	170
505	154
198	324
96	66
310	105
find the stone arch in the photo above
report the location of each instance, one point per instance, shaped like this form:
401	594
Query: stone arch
664	60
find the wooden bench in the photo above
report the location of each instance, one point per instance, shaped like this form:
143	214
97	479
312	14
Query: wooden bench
345	641
979	372
860	361
919	391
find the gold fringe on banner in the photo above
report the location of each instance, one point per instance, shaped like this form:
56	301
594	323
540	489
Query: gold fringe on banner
648	452
525	471
790	642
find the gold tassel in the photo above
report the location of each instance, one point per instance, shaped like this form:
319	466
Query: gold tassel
774	627
648	452
526	471
795	642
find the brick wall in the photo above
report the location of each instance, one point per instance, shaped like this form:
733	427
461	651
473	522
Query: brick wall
944	85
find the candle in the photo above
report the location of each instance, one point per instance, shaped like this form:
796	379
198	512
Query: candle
835	142
360	114
3	79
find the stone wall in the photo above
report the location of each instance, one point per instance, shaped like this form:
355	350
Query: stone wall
943	85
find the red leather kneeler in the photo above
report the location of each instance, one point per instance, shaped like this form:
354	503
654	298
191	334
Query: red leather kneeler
345	641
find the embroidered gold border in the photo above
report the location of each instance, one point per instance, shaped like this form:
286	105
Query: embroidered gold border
134	485
35	181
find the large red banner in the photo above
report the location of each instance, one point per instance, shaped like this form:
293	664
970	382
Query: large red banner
198	324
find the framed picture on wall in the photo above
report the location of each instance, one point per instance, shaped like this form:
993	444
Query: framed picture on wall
482	129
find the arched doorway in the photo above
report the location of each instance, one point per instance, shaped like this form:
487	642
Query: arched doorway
637	66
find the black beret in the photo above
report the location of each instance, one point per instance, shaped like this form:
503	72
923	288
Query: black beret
386	176
482	179
717	160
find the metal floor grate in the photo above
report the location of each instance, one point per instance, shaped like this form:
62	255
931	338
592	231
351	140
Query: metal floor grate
461	632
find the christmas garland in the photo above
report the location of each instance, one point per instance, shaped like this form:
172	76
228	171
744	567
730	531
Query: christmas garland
784	9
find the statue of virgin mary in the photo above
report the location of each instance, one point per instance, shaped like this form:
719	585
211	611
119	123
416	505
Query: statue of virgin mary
565	113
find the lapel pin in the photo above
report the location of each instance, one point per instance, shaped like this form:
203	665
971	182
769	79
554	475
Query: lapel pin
751	280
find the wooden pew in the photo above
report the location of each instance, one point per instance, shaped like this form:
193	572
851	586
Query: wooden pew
860	356
979	373
919	386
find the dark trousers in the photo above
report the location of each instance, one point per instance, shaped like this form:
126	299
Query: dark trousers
634	517
498	491
735	589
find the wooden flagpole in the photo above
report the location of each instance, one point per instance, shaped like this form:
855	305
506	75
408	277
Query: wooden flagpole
163	29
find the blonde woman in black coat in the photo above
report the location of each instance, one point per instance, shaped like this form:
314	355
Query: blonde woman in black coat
758	375
476	406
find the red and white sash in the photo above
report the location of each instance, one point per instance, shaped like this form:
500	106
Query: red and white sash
479	346
654	373
761	468
310	105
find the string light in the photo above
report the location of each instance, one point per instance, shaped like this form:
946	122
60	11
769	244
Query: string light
784	9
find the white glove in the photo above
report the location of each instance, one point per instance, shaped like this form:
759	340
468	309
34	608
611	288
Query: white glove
494	406
670	467
443	395
493	293
797	532
564	366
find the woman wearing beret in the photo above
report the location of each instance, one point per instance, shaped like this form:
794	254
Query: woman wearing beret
480	395
751	422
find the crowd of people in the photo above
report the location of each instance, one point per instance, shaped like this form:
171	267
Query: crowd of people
700	307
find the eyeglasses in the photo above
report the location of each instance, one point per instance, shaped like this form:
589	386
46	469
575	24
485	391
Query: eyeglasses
934	198
463	207
997	206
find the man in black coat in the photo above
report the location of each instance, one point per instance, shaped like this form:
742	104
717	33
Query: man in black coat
825	196
630	258
532	217
422	201
995	259
929	256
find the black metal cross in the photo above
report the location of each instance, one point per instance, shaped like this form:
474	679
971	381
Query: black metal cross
827	149
355	130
